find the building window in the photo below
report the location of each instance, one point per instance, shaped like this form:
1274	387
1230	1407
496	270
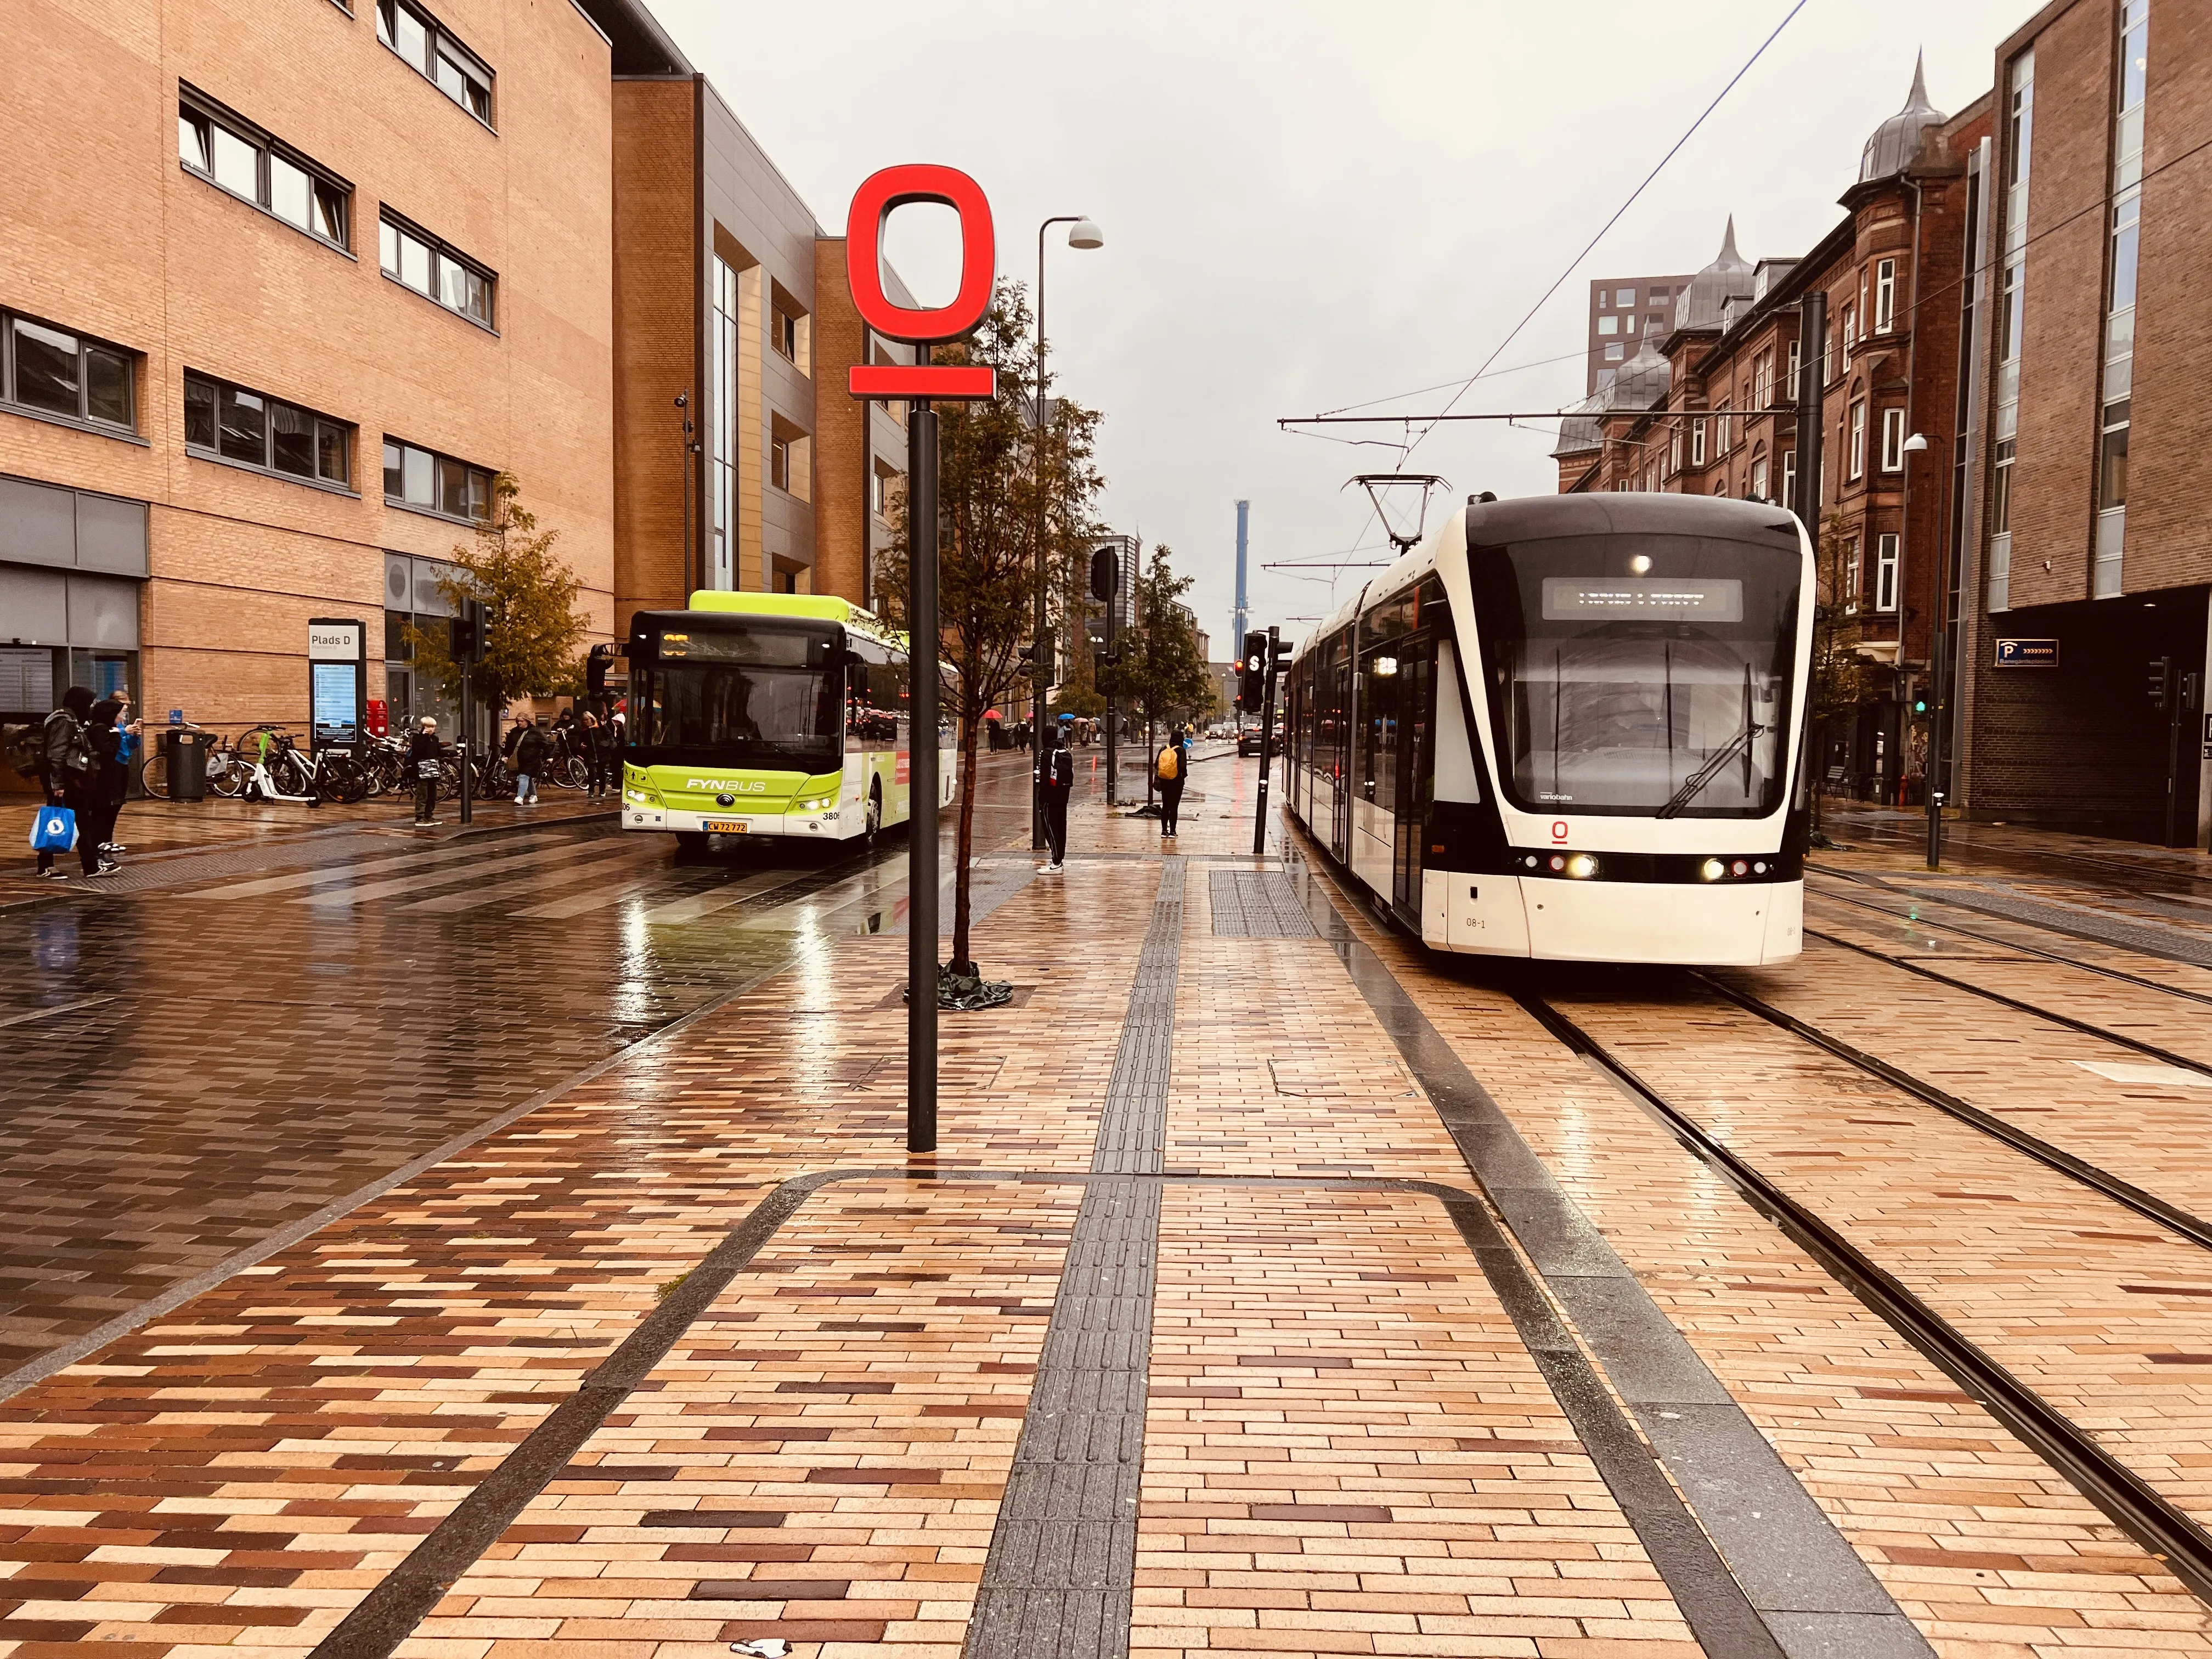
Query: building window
1796	368
722	418
788	457
1758	478
234	155
2001	491
1851	577
1614	353
1625	299
1674	451
1762	381
1885	571
2126	229
885	493
1790	478
1884	295
57	372
1857	451
789	330
1720	431
425	481
434	55
251	428
1658	296
1850	326
1608	323
1892	440
1697	443
415	259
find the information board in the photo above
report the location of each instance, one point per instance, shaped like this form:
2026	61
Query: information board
337	682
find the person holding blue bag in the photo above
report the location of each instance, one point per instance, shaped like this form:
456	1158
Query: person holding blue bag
71	775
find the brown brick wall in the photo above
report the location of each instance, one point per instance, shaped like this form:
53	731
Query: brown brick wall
657	311
114	237
842	465
2169	541
2054	479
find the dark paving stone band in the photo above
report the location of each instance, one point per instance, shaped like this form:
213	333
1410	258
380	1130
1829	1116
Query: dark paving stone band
2148	938
1759	1545
1257	904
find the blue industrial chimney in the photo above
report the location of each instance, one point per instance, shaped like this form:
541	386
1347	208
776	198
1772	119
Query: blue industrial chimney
1243	598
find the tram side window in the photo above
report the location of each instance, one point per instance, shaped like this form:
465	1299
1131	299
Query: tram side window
1338	668
1380	687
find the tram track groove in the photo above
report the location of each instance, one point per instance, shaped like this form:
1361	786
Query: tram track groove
2149	1205
2120	974
2128	1500
2034	1011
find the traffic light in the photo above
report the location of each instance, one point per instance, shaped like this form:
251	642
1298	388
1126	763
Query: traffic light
1920	705
2161	682
1252	672
1039	657
461	630
1105	573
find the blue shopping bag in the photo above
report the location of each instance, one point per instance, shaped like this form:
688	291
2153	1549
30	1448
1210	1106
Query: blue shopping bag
54	830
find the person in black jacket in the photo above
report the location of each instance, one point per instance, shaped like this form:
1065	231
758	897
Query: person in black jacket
112	787
1055	782
70	771
594	742
531	746
425	764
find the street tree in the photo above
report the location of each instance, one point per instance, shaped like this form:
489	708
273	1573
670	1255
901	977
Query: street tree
1162	673
999	479
532	630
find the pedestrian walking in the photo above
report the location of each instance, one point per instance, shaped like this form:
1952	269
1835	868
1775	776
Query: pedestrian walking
596	742
527	758
1168	768
1055	782
113	736
69	772
426	764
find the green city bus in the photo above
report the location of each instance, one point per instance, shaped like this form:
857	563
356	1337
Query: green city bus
769	714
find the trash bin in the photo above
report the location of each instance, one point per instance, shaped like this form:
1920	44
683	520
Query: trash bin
187	754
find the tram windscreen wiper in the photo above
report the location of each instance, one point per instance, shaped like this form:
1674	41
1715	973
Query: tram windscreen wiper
1705	774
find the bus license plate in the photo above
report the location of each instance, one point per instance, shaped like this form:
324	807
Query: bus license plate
725	826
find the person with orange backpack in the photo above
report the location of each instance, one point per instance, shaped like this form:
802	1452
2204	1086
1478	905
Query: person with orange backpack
1168	767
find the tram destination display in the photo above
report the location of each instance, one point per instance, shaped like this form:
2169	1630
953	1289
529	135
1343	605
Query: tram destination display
1643	599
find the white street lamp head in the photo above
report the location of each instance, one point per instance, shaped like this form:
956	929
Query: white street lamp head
1084	233
1917	444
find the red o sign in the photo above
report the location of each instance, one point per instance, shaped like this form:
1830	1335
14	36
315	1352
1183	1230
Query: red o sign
872	203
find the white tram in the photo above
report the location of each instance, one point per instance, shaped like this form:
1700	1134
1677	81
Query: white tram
1571	726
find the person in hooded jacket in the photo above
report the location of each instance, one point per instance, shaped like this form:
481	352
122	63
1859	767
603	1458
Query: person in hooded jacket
70	772
531	747
112	735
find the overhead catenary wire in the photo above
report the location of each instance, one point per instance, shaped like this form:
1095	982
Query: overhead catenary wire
1673	150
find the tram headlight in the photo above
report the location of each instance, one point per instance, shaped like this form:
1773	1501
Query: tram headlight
1712	869
1582	867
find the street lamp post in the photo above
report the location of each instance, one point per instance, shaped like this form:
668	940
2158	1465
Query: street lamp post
1938	656
1085	234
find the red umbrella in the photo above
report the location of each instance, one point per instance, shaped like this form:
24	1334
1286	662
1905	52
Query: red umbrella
994	715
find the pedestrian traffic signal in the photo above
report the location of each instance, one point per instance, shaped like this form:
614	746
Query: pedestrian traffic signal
1105	573
1920	705
2161	682
1252	672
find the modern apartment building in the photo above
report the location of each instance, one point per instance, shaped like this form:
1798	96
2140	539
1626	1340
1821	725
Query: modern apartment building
275	306
1621	312
730	296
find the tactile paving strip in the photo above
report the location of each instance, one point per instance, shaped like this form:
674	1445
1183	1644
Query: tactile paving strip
1257	904
1063	1564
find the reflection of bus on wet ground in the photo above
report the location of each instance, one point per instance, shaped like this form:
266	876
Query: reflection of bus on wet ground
769	714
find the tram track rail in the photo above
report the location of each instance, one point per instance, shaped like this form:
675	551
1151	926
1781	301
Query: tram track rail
2131	1501
2016	945
2036	1010
2030	857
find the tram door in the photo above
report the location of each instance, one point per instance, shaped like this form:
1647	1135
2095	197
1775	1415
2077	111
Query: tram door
1417	766
1336	665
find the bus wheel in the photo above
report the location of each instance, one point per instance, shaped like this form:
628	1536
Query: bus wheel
690	844
875	814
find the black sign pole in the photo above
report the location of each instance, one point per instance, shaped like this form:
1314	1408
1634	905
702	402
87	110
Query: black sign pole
1113	703
1267	749
461	747
921	772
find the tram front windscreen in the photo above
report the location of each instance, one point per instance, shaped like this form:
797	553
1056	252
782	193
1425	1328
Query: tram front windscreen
1641	675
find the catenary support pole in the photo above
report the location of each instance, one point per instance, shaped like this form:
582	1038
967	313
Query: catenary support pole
461	749
921	769
1267	749
1811	341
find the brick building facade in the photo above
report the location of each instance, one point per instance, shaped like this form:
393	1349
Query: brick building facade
2087	418
274	311
1698	410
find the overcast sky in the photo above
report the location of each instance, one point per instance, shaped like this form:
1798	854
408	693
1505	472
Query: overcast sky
1312	205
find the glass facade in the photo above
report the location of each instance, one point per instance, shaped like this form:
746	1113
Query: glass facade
2011	309
2120	349
722	412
